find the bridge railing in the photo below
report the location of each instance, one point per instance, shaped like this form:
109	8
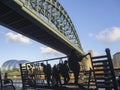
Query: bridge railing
39	76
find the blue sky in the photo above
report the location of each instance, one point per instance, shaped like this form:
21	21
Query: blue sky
97	23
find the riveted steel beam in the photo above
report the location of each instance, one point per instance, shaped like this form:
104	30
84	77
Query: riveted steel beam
51	15
54	13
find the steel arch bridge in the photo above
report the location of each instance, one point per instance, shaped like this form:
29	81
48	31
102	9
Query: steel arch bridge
45	21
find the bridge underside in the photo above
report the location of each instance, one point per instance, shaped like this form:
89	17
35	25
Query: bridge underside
28	26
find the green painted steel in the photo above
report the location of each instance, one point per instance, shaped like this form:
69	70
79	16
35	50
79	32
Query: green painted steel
56	17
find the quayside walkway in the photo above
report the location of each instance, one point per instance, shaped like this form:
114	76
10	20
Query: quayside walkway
55	88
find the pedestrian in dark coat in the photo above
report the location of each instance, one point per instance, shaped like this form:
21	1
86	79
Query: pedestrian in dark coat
47	71
73	61
56	75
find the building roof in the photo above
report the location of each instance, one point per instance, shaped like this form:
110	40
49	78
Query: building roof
12	65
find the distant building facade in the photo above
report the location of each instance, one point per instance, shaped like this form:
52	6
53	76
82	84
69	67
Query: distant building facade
116	60
12	65
89	64
86	62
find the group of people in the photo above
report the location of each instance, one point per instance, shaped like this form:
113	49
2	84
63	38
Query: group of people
53	75
62	69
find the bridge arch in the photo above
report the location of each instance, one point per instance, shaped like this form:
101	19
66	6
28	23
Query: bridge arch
54	13
53	18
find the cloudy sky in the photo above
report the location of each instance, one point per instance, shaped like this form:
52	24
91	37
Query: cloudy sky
97	23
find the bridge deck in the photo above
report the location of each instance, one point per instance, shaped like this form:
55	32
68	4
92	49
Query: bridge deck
13	17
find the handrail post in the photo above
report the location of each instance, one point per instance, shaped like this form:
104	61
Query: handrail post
93	71
23	86
107	50
0	79
89	78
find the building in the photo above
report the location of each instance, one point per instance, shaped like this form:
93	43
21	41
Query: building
116	60
89	64
12	65
86	62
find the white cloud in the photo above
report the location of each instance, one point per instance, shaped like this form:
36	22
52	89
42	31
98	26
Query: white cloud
11	37
49	51
109	35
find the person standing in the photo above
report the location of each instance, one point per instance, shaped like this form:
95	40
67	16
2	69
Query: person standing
73	62
47	72
6	80
118	82
56	75
66	72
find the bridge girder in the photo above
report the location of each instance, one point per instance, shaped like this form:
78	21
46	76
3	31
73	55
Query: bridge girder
52	15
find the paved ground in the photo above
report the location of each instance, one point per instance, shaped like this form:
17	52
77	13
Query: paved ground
56	88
